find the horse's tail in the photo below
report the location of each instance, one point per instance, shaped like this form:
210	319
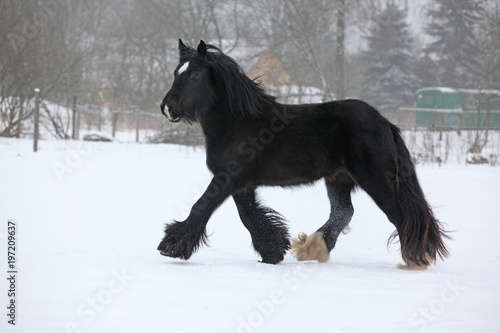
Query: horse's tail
420	233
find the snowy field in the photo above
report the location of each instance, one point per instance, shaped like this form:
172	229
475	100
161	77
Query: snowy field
90	215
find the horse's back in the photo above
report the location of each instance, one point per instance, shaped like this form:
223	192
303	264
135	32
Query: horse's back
370	147
351	134
319	140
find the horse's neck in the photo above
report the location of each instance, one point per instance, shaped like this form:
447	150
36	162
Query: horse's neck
216	126
220	126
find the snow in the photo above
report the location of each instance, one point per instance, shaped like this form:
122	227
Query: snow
57	111
90	216
296	94
479	91
444	90
447	90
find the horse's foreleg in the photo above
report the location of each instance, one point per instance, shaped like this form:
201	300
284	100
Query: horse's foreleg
318	245
182	239
269	232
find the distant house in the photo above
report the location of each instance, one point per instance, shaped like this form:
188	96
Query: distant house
270	71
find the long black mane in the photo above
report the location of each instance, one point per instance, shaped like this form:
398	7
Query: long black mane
246	97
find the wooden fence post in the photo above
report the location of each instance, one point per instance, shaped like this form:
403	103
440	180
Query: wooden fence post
114	120
73	134
37	118
459	129
441	128
137	120
77	123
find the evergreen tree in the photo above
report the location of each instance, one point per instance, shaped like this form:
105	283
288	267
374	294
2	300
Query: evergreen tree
389	77
427	71
455	27
490	53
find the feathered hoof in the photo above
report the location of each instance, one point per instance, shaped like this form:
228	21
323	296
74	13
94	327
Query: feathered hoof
311	247
412	266
180	241
174	249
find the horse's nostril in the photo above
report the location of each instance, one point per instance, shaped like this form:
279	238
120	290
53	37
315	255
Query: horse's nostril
171	109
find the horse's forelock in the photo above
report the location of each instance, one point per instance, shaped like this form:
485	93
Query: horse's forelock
186	55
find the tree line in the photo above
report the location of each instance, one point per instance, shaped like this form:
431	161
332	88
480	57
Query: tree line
121	53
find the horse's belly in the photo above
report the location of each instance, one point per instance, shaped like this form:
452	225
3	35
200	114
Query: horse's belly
288	176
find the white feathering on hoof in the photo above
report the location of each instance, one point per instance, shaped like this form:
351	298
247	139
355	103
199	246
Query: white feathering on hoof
411	266
311	247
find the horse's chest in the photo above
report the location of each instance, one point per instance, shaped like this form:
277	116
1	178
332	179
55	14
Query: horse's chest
220	159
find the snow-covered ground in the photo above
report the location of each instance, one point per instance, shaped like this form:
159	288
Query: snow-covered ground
90	215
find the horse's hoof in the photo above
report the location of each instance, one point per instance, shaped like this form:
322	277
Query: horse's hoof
173	250
168	251
272	259
412	266
312	247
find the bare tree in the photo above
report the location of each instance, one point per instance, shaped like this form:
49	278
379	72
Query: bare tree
45	45
490	55
303	32
340	50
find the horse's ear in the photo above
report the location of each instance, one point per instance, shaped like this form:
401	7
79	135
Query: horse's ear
182	46
202	48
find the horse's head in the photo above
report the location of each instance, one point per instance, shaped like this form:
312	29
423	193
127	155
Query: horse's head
191	91
207	78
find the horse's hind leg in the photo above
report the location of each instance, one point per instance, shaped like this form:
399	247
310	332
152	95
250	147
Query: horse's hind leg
385	195
269	233
318	245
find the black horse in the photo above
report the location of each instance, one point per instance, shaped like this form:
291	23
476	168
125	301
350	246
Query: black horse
252	141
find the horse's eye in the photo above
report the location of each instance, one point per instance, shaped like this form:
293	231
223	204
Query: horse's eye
194	75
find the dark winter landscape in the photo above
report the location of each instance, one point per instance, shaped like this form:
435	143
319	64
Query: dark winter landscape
91	171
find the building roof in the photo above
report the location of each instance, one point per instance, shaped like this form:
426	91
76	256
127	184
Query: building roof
270	71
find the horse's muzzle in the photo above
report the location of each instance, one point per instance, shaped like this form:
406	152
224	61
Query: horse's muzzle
167	113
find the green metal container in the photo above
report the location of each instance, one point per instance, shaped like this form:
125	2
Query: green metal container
466	108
